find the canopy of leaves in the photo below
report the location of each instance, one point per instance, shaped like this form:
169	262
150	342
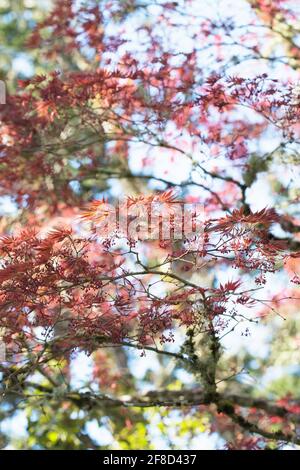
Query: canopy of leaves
155	104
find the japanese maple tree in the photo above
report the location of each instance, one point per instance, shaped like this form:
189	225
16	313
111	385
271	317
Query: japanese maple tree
140	106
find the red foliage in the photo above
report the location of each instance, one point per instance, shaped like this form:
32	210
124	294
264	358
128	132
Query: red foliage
65	132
